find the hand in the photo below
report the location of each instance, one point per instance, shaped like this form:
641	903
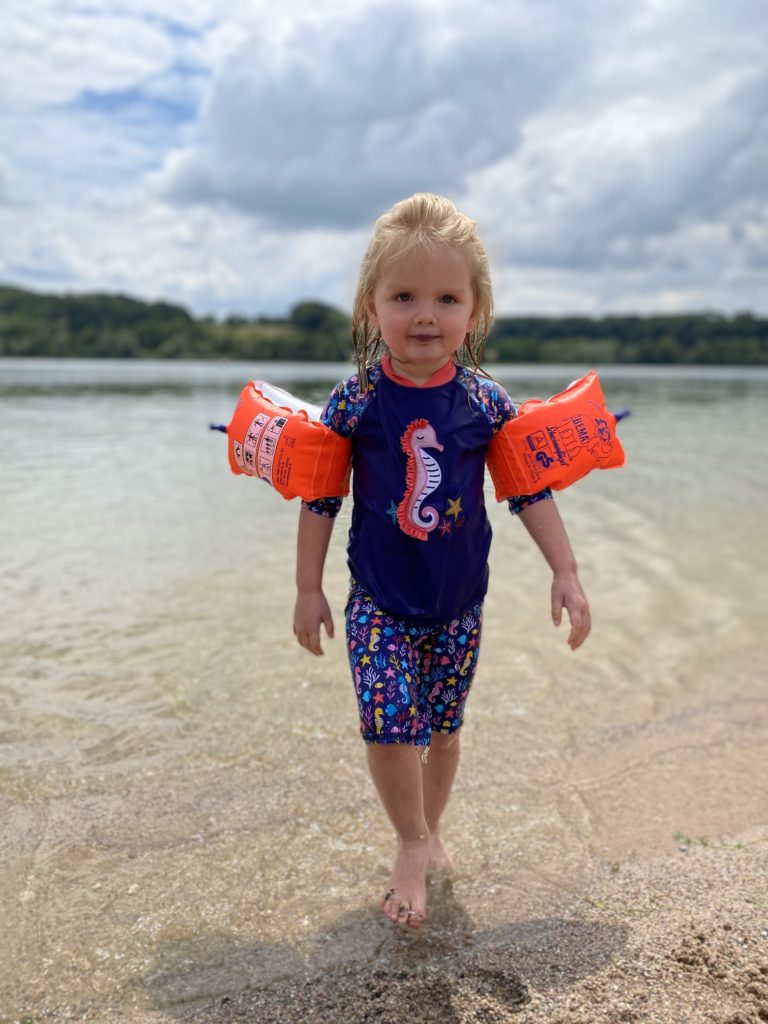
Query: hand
567	593
311	610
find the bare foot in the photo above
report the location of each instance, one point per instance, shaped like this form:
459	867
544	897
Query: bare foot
439	858
405	901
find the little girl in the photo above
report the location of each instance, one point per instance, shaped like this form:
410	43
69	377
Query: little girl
420	415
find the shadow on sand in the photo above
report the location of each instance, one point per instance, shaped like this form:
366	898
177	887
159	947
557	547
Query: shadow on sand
362	970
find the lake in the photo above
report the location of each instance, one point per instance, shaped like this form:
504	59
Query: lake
184	796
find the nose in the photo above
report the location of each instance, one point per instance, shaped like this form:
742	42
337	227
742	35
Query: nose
425	313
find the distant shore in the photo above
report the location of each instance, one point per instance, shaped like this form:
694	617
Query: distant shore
117	326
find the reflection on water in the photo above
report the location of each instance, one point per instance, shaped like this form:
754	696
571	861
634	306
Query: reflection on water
73	377
185	799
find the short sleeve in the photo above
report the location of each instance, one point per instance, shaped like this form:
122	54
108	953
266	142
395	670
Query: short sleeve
499	408
494	400
340	414
522	501
328	507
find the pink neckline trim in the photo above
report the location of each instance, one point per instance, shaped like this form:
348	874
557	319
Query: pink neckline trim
441	376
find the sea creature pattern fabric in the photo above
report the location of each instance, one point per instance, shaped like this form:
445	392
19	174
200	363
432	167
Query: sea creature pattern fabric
410	680
420	536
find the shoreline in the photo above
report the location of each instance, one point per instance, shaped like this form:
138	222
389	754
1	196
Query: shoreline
672	939
664	940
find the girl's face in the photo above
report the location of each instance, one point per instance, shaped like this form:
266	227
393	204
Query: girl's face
423	305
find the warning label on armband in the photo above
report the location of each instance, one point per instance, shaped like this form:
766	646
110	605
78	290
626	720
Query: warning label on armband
281	470
268	446
247	461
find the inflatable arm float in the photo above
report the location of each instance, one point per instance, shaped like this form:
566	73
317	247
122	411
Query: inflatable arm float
555	443
279	439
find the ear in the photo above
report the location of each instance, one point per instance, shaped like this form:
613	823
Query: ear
370	309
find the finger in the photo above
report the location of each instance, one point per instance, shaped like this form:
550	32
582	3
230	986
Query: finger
314	642
586	627
310	642
580	626
577	641
328	623
575	633
557	609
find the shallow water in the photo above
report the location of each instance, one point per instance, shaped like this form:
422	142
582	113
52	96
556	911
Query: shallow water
184	797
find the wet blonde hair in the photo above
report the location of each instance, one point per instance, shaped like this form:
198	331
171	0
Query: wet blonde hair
422	220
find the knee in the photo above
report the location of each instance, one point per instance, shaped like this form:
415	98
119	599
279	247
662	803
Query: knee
445	740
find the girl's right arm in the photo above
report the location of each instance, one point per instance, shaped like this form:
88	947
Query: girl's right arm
312	608
341	414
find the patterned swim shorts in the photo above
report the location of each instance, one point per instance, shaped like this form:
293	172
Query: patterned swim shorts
410	679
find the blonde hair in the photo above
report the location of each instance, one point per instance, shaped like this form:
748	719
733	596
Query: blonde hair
421	220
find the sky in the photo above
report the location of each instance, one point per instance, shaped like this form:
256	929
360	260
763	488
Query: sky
232	158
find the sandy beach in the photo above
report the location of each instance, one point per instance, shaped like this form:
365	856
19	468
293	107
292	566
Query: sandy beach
190	834
682	938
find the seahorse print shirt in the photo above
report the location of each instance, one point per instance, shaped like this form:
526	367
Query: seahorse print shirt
420	535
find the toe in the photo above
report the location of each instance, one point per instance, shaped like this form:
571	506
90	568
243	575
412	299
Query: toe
392	906
386	900
404	914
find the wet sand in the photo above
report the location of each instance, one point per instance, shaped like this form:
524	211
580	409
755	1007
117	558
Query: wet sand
679	939
682	938
189	832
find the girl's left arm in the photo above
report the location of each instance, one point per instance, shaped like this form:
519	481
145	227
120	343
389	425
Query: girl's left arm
542	521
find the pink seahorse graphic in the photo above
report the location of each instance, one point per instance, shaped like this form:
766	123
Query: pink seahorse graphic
422	477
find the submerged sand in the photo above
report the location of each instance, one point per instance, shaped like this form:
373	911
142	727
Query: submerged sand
190	835
678	939
683	938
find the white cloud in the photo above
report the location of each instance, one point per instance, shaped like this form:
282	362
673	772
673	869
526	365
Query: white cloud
341	118
62	51
233	158
210	260
594	190
647	184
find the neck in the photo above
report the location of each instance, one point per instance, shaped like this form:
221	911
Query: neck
405	374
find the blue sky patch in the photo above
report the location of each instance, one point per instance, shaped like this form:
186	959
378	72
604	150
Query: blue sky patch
139	105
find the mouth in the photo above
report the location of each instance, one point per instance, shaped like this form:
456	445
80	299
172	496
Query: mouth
424	337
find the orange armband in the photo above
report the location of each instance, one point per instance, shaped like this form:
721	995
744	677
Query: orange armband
278	438
555	443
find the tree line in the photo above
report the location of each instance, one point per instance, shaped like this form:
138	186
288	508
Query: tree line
87	326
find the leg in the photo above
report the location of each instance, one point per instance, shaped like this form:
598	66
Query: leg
396	772
383	672
448	668
437	777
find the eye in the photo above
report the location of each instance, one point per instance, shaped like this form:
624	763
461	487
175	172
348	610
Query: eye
448	299
403	297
